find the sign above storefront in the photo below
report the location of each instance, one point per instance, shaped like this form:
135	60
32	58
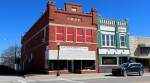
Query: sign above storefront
74	48
114	51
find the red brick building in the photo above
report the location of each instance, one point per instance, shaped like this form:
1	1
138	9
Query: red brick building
69	32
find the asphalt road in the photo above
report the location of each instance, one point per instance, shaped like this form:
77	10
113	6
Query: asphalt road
129	79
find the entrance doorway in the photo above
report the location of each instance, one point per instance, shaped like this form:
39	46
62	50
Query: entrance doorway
123	60
70	66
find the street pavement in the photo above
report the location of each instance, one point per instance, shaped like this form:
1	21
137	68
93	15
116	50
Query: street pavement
76	78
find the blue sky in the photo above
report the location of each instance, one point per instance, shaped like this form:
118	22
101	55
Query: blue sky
17	16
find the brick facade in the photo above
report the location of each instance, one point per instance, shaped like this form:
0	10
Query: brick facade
53	27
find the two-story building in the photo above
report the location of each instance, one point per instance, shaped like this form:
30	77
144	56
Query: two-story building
62	39
140	50
113	43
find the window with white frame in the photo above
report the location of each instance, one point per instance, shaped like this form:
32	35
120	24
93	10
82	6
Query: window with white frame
107	40
112	39
79	35
88	35
122	40
59	33
103	40
69	36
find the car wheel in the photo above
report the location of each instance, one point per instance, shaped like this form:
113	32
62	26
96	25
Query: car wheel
125	73
141	73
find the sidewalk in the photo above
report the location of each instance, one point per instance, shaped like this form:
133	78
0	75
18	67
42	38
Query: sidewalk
67	76
74	76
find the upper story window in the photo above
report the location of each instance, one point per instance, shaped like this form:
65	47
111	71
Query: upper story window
122	40
79	35
107	40
112	39
88	35
59	33
103	40
74	9
69	34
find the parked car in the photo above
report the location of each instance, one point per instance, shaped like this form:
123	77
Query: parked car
126	69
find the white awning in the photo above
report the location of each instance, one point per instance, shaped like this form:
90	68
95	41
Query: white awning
72	55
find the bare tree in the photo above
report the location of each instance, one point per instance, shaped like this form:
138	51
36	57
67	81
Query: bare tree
10	56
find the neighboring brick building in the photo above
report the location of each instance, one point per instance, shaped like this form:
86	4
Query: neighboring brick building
140	50
113	43
73	30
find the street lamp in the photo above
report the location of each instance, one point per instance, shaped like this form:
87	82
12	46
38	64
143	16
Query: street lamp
58	73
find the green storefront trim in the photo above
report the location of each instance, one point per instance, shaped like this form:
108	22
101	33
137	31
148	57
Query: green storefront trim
117	41
99	40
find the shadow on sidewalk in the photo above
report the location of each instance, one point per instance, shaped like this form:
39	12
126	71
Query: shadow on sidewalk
119	75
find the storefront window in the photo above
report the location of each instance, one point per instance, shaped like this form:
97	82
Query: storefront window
145	51
53	65
109	60
88	65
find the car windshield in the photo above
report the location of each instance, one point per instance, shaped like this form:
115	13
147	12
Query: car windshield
125	65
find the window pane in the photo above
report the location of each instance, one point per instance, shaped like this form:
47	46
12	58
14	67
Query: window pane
60	37
88	39
69	37
122	43
79	31
107	37
112	40
69	34
79	39
69	30
79	35
88	32
59	33
122	40
88	36
103	39
59	30
88	64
